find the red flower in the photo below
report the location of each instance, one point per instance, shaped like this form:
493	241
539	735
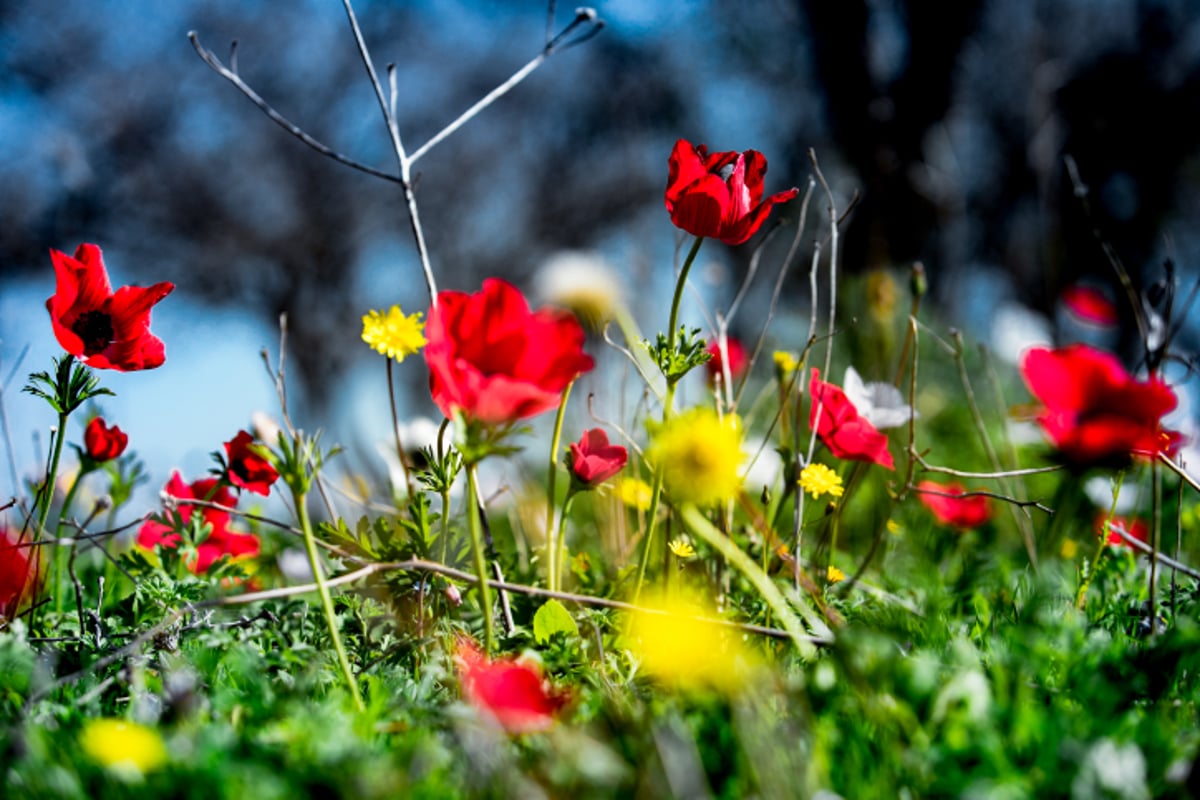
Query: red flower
494	360
103	329
594	460
844	432
1137	528
511	692
738	360
959	512
1094	411
18	575
1090	304
247	469
719	194
102	442
221	541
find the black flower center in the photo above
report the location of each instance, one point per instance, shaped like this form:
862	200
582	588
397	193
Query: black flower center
95	328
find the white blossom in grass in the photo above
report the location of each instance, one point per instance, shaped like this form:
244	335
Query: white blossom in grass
881	404
583	283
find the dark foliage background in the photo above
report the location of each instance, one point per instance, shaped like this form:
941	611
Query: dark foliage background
951	122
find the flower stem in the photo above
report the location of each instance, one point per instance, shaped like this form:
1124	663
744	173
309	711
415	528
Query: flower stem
314	561
702	528
481	570
678	298
551	485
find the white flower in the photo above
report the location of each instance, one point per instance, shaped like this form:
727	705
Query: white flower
880	404
582	282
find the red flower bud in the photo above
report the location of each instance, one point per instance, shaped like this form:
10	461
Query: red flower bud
594	460
738	360
103	443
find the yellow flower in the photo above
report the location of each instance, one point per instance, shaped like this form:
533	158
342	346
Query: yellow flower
785	363
818	479
125	747
676	645
894	528
1069	549
394	334
634	493
700	455
681	548
834	575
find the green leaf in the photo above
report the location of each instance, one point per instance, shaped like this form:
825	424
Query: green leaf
550	619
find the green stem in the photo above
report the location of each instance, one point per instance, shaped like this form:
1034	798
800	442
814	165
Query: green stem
551	487
678	298
481	570
46	496
770	593
59	563
314	561
561	537
408	484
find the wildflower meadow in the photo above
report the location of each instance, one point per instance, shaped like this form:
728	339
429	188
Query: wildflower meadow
627	555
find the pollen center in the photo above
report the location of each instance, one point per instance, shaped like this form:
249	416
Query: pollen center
95	328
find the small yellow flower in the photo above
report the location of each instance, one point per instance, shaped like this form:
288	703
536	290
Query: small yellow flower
834	575
675	645
635	493
785	363
125	747
1069	549
700	455
393	333
894	528
681	548
818	479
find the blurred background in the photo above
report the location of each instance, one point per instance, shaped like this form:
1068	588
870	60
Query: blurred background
948	122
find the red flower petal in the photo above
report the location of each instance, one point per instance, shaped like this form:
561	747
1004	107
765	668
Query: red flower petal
964	512
1090	304
511	692
738	360
719	194
100	328
246	468
497	362
1094	411
19	574
844	432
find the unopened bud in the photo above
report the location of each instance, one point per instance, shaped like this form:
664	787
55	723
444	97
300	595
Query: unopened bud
453	595
918	282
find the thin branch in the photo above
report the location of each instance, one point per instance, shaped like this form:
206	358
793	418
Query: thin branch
1008	473
230	74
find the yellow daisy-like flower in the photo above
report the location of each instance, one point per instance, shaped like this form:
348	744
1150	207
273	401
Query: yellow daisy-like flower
681	548
894	528
674	644
785	363
1069	549
393	333
635	493
125	747
834	575
818	479
700	455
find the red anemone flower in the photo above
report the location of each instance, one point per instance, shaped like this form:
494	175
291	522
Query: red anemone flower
221	541
103	329
18	574
594	460
950	508
247	469
494	360
738	360
511	692
102	442
1094	412
844	432
719	195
